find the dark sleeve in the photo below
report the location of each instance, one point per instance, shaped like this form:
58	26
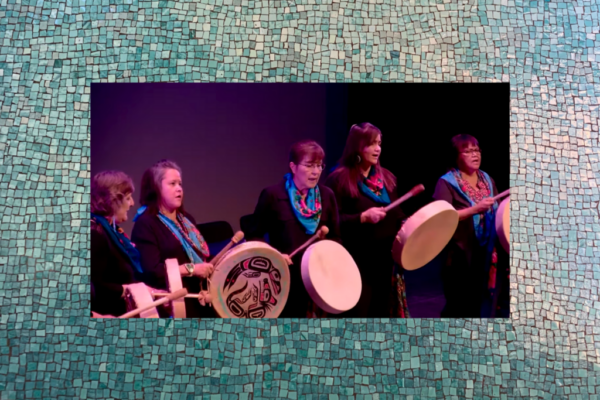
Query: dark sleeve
333	222
401	218
348	220
104	290
494	189
443	191
153	266
263	214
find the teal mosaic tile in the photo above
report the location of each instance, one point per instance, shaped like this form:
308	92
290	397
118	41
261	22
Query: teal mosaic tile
50	52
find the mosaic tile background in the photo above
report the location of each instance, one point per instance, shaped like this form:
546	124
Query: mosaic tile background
51	51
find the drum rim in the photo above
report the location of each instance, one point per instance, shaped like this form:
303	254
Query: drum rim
172	271
445	203
402	240
139	287
428	212
504	236
307	276
243	246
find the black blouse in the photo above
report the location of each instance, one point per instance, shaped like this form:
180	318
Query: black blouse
464	236
275	216
110	271
156	243
369	244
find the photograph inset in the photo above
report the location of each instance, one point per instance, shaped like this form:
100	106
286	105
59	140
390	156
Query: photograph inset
236	200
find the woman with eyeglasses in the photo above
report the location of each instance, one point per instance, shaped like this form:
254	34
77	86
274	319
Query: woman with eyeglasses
291	212
363	188
472	274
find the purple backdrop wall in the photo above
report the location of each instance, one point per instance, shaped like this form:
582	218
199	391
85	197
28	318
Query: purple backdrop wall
231	141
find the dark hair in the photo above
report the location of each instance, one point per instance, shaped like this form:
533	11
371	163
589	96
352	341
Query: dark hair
348	173
108	191
150	195
305	148
458	144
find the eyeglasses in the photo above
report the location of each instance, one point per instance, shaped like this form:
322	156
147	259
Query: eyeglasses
472	151
312	166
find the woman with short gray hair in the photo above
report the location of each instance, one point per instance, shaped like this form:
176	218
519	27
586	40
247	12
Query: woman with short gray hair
114	259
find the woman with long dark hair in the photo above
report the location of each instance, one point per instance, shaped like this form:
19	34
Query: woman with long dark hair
163	230
363	188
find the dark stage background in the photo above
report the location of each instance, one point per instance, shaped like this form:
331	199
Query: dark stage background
418	120
233	139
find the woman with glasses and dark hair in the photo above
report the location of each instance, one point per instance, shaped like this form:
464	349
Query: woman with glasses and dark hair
363	188
471	275
291	212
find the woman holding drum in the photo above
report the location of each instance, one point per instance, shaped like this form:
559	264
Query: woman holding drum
163	230
291	212
115	262
362	188
475	271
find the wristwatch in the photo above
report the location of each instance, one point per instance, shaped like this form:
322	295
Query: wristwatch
190	268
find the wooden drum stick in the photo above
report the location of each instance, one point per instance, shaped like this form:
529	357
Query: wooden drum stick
239	235
501	195
169	297
319	235
187	296
413	192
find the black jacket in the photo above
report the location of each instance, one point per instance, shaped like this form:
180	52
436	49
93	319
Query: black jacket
464	276
156	244
464	237
111	270
369	244
275	217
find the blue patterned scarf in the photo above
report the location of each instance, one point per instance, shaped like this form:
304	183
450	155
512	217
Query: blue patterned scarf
485	229
120	239
189	237
373	187
308	210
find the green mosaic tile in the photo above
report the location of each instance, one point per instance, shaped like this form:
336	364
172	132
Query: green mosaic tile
51	52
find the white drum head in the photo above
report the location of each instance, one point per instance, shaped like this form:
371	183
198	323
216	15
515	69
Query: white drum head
331	276
174	283
424	235
251	281
138	295
503	224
